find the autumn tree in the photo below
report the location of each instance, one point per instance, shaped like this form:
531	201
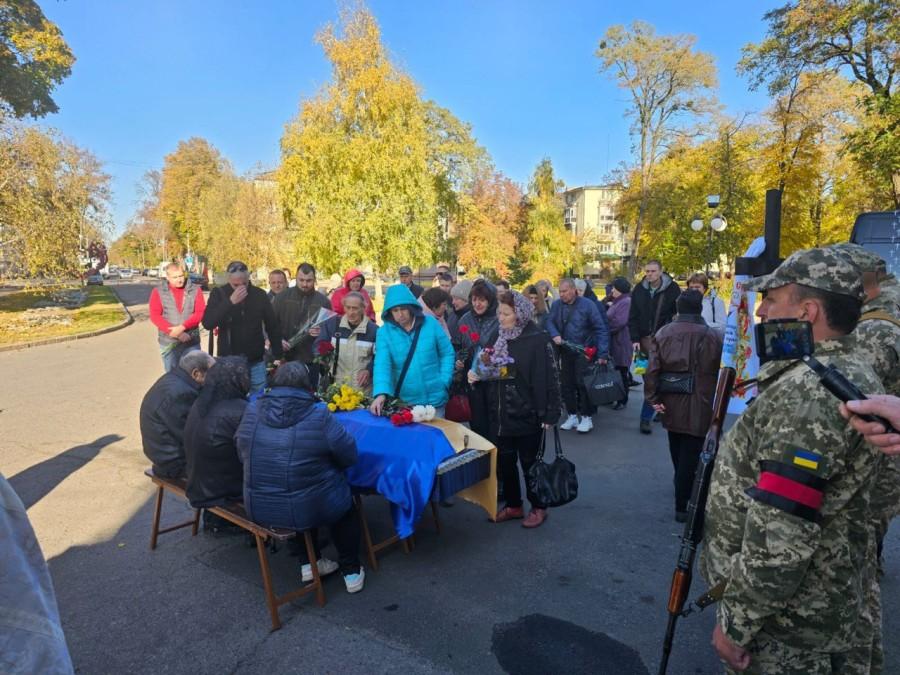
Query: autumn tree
34	59
490	224
546	250
668	81
54	199
355	179
858	39
187	174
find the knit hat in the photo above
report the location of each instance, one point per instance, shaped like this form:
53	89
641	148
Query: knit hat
461	290
690	302
621	284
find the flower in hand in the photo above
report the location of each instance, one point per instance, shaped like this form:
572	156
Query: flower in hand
590	353
325	348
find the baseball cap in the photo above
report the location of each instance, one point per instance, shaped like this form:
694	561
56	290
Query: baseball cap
405	269
863	258
823	268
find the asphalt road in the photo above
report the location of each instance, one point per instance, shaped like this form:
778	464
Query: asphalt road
586	593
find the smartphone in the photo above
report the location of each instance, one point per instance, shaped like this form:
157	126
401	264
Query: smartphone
783	340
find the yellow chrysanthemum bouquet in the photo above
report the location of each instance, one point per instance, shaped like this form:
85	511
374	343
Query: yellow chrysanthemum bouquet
344	397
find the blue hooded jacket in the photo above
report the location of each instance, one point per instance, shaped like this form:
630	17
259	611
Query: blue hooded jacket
294	453
427	381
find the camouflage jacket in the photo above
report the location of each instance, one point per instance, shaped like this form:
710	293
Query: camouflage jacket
890	290
788	520
879	340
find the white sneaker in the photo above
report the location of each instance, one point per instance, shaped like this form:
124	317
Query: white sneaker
570	423
355	582
585	425
325	566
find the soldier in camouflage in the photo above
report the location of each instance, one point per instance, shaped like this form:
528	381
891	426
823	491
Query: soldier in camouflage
788	520
878	335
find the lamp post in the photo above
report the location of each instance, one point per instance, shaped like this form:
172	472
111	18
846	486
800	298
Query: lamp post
717	224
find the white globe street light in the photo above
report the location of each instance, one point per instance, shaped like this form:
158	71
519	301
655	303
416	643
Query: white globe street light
718	223
697	224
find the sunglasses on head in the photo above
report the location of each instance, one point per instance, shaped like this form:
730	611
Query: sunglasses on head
236	267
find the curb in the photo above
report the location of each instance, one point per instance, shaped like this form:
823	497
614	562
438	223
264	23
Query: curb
128	320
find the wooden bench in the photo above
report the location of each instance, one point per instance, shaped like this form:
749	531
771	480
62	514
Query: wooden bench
235	513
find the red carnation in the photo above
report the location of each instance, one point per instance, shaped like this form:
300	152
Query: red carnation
475	336
590	352
395	419
407	415
464	329
325	348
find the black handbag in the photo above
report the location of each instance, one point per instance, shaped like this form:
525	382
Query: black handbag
552	484
675	383
603	384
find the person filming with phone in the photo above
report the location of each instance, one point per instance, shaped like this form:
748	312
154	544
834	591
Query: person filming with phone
788	520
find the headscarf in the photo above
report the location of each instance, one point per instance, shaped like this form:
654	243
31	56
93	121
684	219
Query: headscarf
228	378
524	310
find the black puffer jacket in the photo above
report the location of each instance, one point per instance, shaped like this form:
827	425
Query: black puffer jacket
215	474
531	398
164	412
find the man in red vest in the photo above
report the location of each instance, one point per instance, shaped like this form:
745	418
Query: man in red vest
176	308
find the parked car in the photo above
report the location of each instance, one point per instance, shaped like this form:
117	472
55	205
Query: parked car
95	279
199	280
125	273
152	272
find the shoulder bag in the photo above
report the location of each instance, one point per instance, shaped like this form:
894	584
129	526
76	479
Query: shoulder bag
409	356
552	484
680	383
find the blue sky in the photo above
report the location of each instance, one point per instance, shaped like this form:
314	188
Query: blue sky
521	72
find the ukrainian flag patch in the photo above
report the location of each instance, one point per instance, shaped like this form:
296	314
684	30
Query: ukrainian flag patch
805	459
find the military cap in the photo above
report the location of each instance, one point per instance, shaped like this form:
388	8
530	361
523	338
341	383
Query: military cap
863	258
823	268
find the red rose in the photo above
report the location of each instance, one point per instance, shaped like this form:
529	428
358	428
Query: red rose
395	419
590	352
475	336
325	348
464	329
407	415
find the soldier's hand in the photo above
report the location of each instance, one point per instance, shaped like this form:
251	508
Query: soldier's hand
884	406
736	658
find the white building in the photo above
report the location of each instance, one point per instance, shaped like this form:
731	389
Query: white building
590	215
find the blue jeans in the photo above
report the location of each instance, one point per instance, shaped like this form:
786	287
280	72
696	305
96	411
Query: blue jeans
257	376
171	355
647	411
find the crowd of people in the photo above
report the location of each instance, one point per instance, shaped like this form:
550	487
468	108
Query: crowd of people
795	489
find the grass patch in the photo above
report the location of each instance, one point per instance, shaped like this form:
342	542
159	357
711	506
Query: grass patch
23	320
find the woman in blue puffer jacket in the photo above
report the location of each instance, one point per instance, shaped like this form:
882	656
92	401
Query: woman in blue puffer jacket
427	380
295	454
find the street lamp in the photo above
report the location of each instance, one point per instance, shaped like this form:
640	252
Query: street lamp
717	224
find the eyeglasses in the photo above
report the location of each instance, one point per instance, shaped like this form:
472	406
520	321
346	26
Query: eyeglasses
236	267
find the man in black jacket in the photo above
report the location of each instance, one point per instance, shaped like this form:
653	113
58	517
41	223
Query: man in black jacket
165	409
406	279
652	307
239	310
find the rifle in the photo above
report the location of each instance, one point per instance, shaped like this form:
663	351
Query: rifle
693	528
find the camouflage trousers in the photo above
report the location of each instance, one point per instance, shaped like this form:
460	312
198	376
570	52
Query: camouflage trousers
771	657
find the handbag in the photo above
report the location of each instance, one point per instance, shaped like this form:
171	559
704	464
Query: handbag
458	409
552	484
675	383
603	384
681	382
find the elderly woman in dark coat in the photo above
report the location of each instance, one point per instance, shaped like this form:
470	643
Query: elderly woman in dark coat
526	398
295	454
214	471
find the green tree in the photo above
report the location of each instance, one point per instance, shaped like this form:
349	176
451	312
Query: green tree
188	172
34	59
356	179
54	200
856	37
547	250
668	80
